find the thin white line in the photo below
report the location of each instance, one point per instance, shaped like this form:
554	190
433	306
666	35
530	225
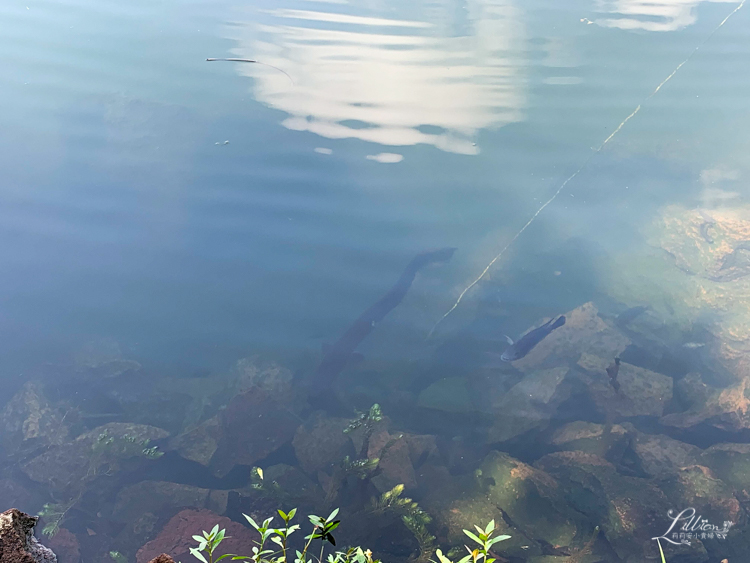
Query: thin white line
592	155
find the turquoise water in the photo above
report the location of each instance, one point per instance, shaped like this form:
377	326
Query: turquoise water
123	218
197	212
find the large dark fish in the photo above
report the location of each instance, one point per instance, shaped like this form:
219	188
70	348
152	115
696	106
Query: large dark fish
337	356
523	345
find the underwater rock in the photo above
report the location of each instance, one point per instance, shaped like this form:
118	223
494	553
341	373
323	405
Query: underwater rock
17	541
13	493
731	464
321	443
532	499
697	487
28	420
163	558
395	465
165	499
692	280
459	503
591	438
583	332
423	449
629	510
269	376
661	455
448	394
692	392
104	448
176	538
65	546
200	443
642	392
727	410
254	424
529	404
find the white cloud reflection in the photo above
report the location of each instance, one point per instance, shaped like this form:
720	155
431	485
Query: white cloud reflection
650	15
391	81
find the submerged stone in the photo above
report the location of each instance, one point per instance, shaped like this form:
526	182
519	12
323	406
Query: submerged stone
103	449
176	538
448	394
165	499
629	510
199	443
29	420
529	404
642	392
598	439
321	443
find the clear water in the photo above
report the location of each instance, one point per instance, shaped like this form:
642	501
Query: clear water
199	212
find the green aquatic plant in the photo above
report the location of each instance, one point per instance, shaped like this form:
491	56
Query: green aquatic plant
322	530
484	540
414	518
118	557
53	514
661	551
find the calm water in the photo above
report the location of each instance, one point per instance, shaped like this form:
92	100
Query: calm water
199	212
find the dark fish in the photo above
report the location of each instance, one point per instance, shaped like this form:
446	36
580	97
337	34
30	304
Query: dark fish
337	356
704	232
524	345
629	315
612	371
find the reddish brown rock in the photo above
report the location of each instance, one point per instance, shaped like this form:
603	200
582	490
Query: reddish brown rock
322	443
176	538
254	424
65	545
163	558
17	541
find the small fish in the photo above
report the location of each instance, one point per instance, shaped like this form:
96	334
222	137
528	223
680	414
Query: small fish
704	232
629	315
524	345
693	345
612	370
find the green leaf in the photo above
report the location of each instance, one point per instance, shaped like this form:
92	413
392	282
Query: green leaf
215	530
332	526
277	540
220	536
490	527
197	554
199	539
465	559
224	557
500	538
333	514
472	536
252	522
292	512
283	515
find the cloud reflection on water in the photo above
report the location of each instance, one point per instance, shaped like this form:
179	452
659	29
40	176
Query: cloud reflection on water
650	15
393	82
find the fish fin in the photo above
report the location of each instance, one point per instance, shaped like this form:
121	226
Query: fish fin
326	347
356	358
509	339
